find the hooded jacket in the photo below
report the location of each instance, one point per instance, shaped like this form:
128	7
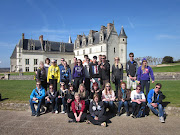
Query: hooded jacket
151	97
145	75
39	94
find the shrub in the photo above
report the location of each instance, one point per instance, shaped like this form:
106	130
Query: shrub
167	59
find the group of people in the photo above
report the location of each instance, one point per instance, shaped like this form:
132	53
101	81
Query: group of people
86	93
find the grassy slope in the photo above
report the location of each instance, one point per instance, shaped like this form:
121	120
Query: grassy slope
19	91
175	68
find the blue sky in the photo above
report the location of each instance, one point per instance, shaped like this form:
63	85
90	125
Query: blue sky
152	26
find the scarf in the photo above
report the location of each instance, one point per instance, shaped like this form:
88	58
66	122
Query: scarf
124	93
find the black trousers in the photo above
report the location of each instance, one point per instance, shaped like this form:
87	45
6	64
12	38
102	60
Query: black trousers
54	83
136	107
83	116
100	120
44	84
87	84
145	83
77	82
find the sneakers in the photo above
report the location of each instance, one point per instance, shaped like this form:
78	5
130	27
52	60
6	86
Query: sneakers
63	112
88	122
127	114
56	112
161	119
33	114
37	115
72	120
118	114
103	124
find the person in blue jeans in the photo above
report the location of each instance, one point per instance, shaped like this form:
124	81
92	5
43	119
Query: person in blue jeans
143	76
124	98
37	97
155	97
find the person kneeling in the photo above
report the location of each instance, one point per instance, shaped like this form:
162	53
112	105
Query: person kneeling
37	97
155	97
50	98
96	110
138	102
78	106
124	98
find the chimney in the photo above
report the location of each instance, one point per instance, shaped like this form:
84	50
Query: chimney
41	39
109	27
22	35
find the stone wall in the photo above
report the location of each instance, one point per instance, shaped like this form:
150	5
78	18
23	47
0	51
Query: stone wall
21	77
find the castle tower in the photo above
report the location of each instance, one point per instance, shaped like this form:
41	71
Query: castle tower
123	47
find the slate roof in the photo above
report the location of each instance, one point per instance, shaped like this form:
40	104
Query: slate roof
13	56
122	33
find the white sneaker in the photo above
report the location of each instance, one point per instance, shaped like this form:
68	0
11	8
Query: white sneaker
162	119
63	112
56	112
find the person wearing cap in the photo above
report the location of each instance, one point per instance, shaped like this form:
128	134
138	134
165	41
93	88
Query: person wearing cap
78	113
143	75
37	97
138	102
53	76
94	73
155	97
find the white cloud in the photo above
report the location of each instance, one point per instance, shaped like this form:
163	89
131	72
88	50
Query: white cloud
165	36
131	23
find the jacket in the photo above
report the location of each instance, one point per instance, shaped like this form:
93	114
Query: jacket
78	107
51	96
99	92
108	96
120	95
132	68
35	94
105	73
78	72
96	110
151	97
62	93
117	72
41	74
94	70
70	95
65	75
53	73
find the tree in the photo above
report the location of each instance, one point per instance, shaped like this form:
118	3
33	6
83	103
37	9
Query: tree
167	59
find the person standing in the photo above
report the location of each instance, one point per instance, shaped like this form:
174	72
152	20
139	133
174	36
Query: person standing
104	71
47	65
41	75
94	70
53	74
87	76
78	74
117	74
65	74
143	75
37	97
131	69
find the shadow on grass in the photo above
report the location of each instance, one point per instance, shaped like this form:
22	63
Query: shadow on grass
4	99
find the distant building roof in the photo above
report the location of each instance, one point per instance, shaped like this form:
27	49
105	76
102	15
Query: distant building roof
13	56
122	33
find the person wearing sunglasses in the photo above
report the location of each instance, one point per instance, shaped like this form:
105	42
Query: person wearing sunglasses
108	97
155	97
104	71
138	102
37	97
131	69
50	98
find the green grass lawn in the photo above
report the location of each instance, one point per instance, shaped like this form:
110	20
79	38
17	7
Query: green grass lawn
175	68
19	91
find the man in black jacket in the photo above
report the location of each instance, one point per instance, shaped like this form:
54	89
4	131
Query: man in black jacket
131	69
104	71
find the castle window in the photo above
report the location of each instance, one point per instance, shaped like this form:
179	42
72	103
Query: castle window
114	50
35	69
77	52
27	61
69	62
32	48
27	69
123	39
101	48
35	61
83	52
101	38
90	41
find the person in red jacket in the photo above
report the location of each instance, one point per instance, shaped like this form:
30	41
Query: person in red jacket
78	107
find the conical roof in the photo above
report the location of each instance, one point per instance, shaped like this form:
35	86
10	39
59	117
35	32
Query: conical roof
122	33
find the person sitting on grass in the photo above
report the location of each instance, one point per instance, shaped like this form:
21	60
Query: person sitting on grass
61	99
37	97
138	102
70	97
95	90
96	110
50	98
78	108
108	97
155	97
124	98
